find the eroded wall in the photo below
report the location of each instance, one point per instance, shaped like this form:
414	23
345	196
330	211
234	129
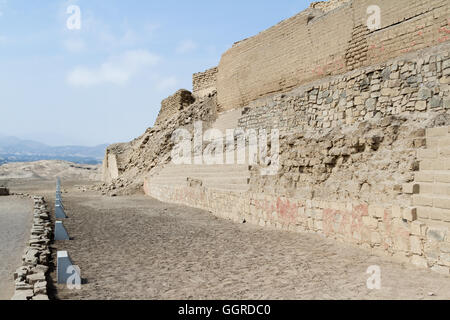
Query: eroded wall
204	83
174	104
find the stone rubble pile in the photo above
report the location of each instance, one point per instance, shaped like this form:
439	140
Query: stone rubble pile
31	277
134	160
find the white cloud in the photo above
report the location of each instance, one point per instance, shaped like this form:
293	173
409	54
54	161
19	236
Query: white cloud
116	70
167	83
186	46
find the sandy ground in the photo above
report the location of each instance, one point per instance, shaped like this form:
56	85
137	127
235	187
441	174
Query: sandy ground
16	215
138	248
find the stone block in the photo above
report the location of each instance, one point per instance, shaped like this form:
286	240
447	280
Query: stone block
437	132
416	245
411	188
421	105
424	177
425	154
435	234
410	214
417	228
441	202
36	277
420	200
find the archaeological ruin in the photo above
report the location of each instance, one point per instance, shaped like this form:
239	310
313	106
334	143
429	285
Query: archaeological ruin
364	131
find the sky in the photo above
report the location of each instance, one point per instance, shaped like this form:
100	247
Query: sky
102	80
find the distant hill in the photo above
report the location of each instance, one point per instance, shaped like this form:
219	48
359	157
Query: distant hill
13	149
48	170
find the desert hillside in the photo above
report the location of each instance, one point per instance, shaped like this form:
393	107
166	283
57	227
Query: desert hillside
49	170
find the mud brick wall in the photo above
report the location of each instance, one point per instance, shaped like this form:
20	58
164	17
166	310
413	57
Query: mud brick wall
320	42
174	104
204	83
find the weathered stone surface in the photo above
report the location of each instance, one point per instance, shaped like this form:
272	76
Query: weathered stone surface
36	277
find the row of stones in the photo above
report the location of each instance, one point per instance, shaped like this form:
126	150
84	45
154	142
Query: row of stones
31	277
431	189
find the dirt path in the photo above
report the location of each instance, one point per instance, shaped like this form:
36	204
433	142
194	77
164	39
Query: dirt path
139	248
16	215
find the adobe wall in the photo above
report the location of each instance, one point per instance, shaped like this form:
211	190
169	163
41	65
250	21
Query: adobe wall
115	161
204	83
174	104
324	40
353	151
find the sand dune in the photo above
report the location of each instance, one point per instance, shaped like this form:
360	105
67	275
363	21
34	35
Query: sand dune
49	170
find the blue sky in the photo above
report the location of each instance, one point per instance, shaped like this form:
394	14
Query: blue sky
104	83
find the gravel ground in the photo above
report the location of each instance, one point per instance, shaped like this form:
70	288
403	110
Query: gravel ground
135	247
16	215
139	248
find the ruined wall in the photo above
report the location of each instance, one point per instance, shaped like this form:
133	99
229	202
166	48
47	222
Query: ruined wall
316	43
353	149
125	165
174	104
115	161
204	83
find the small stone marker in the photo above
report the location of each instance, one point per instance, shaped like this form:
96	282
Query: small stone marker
63	263
61	232
59	212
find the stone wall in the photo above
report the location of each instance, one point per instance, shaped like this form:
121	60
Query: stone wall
320	42
31	278
204	83
174	104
